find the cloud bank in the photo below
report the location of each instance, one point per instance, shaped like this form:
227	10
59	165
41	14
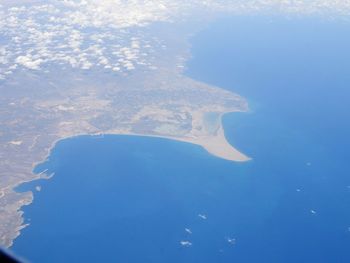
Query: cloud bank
107	34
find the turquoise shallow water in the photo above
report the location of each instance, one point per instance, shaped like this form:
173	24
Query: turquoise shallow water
129	199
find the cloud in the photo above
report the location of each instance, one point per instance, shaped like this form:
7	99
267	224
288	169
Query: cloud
188	230
185	243
110	34
27	61
56	33
202	216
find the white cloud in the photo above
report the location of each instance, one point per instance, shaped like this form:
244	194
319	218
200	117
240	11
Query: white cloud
186	243
202	216
27	61
188	230
94	33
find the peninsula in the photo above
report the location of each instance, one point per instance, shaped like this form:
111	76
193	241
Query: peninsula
58	80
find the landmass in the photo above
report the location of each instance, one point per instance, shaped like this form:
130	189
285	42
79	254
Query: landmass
75	104
70	68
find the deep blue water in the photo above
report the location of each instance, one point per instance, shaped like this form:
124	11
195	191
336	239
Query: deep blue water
129	199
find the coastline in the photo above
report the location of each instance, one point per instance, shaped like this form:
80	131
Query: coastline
208	143
215	144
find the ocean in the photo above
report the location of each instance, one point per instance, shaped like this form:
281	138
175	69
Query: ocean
134	199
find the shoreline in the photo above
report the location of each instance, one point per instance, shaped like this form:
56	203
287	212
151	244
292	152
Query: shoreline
215	144
210	143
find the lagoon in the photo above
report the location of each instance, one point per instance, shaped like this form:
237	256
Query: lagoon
131	199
